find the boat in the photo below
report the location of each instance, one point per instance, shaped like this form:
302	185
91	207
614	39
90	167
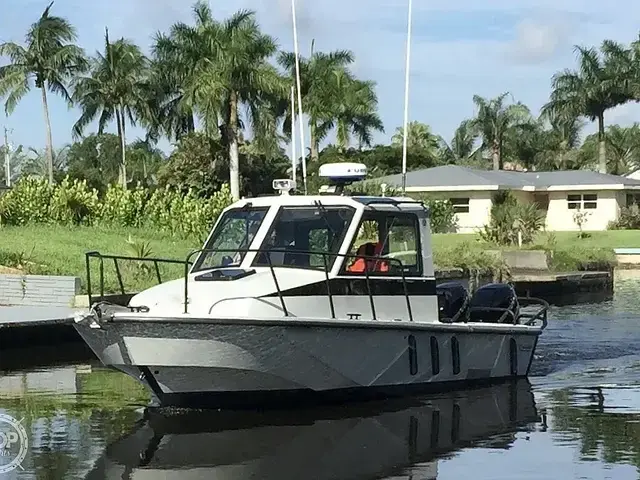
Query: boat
401	438
297	299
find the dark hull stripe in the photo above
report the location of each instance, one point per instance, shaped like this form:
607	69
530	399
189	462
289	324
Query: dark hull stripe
286	399
358	286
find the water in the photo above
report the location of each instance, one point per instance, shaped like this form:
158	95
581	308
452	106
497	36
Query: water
578	418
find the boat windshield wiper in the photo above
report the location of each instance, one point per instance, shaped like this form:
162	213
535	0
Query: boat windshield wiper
323	213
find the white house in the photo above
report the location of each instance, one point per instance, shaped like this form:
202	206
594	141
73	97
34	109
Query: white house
561	194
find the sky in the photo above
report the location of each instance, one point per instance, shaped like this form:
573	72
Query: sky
459	48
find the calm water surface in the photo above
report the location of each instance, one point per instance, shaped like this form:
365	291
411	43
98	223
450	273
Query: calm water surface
577	418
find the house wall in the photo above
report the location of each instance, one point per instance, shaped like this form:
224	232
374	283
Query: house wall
561	218
479	209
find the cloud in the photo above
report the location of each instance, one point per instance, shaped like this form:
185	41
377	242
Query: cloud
537	42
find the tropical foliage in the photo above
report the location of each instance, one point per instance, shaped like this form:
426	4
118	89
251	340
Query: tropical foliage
48	61
219	89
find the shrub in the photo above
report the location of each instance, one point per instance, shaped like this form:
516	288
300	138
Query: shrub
443	217
27	202
510	217
124	207
73	203
582	259
629	219
471	258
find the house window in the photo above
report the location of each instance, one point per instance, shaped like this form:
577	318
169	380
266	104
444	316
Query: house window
588	201
633	199
460	205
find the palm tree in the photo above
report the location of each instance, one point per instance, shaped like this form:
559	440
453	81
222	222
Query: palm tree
321	97
462	145
419	138
36	163
48	59
230	69
495	120
116	88
588	92
355	110
559	145
168	112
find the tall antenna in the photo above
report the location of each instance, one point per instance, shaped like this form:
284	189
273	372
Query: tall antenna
406	101
300	119
7	158
294	158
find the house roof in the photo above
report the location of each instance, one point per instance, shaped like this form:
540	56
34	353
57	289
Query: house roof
455	177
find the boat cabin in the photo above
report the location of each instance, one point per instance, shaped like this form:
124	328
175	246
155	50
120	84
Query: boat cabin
308	247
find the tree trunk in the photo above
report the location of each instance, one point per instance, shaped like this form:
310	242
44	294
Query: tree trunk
234	154
602	146
313	142
495	155
123	150
49	146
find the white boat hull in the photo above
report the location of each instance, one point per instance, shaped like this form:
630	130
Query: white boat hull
218	363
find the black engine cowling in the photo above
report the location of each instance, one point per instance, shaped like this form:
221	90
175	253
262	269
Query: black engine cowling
493	303
453	302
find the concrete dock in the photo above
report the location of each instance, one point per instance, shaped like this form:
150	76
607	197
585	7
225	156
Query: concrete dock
23	316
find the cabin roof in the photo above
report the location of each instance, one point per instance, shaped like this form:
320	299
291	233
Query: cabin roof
403	203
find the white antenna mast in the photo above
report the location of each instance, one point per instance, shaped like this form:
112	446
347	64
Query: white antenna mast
406	101
7	158
294	158
300	119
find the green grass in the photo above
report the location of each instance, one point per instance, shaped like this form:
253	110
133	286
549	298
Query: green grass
60	250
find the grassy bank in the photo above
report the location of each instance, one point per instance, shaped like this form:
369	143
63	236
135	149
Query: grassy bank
59	250
566	250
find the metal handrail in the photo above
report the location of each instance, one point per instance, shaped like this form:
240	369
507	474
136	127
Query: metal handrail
540	314
324	254
101	257
188	263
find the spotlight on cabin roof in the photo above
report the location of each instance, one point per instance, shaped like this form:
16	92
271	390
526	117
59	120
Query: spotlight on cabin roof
284	185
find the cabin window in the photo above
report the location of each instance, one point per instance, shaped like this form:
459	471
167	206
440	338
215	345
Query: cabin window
305	237
588	201
460	205
232	236
386	235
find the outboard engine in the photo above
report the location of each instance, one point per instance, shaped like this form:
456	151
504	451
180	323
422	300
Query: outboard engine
494	303
453	302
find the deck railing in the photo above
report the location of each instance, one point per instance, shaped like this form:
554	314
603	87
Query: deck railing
327	257
188	262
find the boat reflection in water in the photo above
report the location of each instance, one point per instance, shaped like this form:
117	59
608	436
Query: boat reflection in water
369	440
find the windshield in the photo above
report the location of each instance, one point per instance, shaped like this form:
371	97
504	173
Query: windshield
233	234
300	230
